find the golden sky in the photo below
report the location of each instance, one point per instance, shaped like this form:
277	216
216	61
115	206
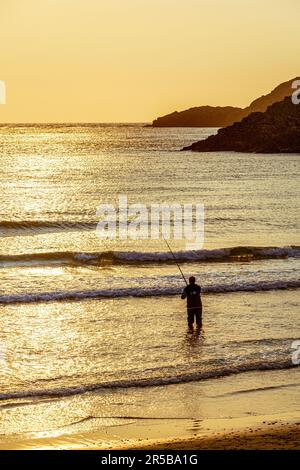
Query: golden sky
132	60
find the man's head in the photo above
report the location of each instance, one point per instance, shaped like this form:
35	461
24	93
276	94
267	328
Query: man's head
192	280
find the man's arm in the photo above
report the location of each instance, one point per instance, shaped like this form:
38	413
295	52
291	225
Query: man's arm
183	295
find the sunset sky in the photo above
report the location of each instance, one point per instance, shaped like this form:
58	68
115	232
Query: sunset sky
132	60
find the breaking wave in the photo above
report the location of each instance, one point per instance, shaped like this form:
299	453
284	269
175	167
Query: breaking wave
234	254
142	292
153	382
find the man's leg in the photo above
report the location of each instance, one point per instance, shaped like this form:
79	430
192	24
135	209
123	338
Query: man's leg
190	318
199	318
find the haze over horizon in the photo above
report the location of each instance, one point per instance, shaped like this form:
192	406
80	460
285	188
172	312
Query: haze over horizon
131	61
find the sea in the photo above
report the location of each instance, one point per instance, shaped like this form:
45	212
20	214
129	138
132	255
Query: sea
93	331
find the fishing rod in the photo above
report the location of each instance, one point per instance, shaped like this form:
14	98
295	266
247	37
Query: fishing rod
175	260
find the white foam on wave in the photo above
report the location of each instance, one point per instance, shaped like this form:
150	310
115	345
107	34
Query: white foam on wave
232	254
145	292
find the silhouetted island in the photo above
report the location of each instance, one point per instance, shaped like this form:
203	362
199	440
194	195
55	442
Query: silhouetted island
276	130
203	116
210	116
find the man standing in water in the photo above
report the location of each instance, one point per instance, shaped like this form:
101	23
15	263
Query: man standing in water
192	292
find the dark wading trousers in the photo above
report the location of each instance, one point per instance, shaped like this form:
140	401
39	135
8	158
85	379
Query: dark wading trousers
195	313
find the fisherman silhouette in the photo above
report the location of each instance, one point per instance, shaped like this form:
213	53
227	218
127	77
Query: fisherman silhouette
192	292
